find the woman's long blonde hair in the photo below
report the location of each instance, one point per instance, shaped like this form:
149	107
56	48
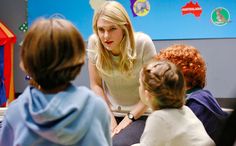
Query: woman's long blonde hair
114	12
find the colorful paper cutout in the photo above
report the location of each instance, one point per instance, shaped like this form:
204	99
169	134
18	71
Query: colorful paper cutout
192	8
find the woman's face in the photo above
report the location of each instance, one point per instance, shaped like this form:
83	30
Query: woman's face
110	35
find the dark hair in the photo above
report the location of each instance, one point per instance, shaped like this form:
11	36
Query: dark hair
164	81
53	52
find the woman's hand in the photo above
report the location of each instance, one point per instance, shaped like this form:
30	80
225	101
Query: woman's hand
138	111
124	123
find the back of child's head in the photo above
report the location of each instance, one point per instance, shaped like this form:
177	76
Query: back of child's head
53	52
164	81
189	59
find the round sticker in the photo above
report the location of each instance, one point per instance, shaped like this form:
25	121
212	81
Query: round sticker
141	7
220	16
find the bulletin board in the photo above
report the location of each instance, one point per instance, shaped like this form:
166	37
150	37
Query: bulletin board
161	19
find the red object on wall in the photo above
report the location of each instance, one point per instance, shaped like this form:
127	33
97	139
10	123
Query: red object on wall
8	39
192	8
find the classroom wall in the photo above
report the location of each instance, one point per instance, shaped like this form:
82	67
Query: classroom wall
219	54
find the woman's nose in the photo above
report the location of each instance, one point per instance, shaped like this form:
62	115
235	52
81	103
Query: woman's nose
106	35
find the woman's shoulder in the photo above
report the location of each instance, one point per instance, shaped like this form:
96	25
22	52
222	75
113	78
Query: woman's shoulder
140	36
92	41
142	39
92	37
92	47
145	47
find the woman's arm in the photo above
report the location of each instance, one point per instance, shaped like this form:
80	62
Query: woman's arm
96	82
97	87
138	111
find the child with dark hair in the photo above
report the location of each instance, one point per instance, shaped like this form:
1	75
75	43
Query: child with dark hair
162	88
52	111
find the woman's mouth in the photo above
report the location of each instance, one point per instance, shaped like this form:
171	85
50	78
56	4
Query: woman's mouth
108	42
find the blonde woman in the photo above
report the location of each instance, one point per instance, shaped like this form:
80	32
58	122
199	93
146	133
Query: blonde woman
162	87
116	54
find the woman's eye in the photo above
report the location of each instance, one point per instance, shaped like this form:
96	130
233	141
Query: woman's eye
101	29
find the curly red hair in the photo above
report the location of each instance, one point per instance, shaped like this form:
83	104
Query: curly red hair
190	62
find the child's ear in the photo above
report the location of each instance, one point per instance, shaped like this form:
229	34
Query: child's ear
22	66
